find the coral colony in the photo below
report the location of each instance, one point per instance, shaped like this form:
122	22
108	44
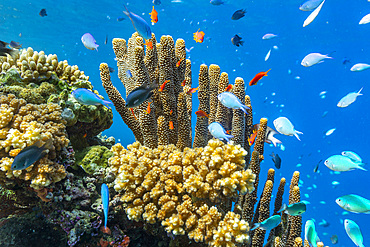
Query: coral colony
164	188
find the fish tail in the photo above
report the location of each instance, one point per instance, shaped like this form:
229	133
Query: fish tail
107	104
359	92
359	166
228	137
275	141
296	132
256	225
282	209
244	108
241	42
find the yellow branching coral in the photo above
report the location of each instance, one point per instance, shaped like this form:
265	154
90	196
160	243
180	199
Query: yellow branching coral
181	189
31	123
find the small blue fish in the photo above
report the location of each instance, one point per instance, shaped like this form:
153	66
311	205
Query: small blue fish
217	131
30	155
89	42
269	223
86	97
310	233
140	25
139	95
105	200
354	232
294	209
353	156
128	73
120	18
231	101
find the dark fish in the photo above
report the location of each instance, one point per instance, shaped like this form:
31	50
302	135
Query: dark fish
139	95
236	40
156	2
334	239
15	45
3	44
43	13
217	2
238	14
111	70
106	40
345	61
276	159
11	52
30	155
317	167
120	18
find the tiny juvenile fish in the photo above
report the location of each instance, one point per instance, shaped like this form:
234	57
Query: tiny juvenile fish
111	70
170	124
191	90
310	233
156	2
268	224
310	5
139	95
238	14
365	19
217	2
86	97
179	62
294	209
217	131
349	99
89	42
314	58
198	36
276	159
354	232
30	155
334	239
285	127
105	200
120	18
329	132
15	45
354	203
237	40
360	67
161	88
317	166
352	155
258	77
43	13
267	55
313	15
140	25
342	163
269	36
201	113
231	101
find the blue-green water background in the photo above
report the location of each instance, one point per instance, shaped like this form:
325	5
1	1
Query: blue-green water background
335	29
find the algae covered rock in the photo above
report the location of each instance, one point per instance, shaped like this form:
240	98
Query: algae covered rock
93	158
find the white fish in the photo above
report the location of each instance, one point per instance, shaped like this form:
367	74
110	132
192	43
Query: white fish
267	55
365	19
349	99
310	5
354	232
285	127
217	131
269	36
329	132
313	58
360	67
313	15
352	155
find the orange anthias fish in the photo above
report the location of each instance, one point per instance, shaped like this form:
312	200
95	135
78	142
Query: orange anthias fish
201	113
132	110
149	44
258	77
229	87
171	112
252	138
198	36
179	62
191	90
183	82
171	125
148	110
154	16
163	85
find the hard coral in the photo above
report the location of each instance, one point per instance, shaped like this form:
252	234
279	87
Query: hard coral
183	190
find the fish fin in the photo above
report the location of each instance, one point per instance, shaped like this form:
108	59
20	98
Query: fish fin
359	166
244	108
256	225
282	209
228	137
241	42
359	92
107	103
296	132
274	141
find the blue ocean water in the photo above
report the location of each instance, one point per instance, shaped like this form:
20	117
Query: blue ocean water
335	31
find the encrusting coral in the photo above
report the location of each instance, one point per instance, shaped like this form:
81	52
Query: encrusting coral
184	190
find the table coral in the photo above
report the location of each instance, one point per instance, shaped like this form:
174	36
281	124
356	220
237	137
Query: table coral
184	190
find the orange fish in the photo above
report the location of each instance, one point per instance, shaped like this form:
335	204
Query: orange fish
198	36
148	110
179	62
171	125
229	87
252	138
183	82
171	112
149	44
132	110
228	132
154	16
258	77
191	90
201	113
84	136
163	85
